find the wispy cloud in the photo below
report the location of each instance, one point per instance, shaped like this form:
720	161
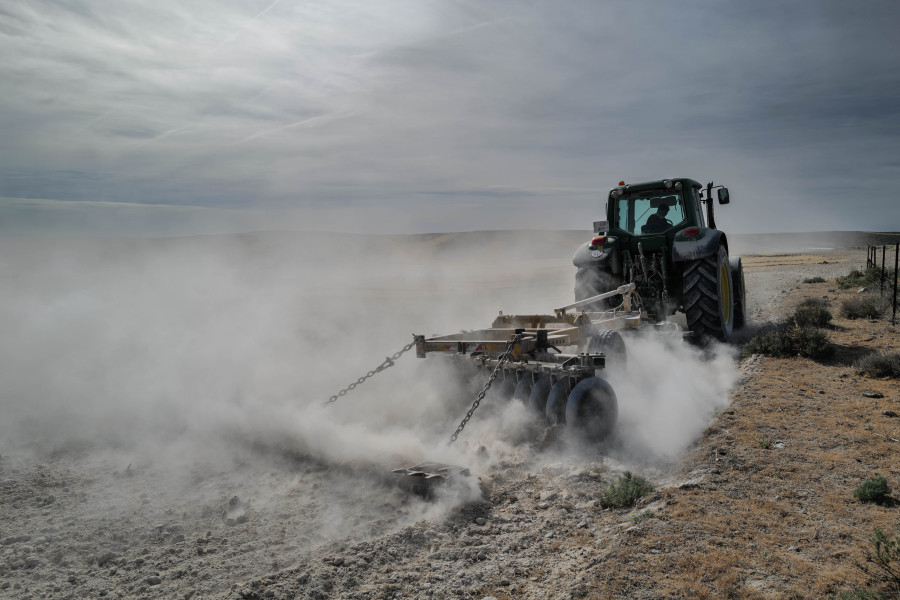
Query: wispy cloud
785	103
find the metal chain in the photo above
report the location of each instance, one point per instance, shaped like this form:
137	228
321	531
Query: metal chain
503	358
388	363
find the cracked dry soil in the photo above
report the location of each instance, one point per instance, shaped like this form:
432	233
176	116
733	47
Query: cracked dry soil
760	506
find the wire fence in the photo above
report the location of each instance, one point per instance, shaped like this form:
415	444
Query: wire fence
886	277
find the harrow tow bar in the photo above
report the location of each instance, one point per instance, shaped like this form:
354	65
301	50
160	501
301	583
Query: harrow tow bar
503	358
388	363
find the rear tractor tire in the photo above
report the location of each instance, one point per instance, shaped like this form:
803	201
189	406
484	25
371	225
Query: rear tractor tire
709	297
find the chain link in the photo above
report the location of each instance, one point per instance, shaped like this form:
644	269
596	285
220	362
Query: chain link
503	358
388	363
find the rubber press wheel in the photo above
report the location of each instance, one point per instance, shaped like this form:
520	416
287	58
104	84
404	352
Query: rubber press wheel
610	343
592	409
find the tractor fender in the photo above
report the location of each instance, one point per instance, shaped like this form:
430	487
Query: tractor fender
598	258
706	243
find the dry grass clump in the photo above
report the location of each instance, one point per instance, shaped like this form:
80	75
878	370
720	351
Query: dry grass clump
814	280
864	307
880	365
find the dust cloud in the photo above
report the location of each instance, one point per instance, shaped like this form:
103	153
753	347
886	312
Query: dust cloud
207	360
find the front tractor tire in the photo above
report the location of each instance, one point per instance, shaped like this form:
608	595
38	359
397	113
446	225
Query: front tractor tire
709	297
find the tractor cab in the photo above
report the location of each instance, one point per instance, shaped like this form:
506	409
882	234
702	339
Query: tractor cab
649	213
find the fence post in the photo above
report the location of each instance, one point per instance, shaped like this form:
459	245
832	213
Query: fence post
883	250
894	311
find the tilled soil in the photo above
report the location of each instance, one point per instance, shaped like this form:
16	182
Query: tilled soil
761	506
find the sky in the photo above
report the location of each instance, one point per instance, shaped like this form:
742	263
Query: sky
413	116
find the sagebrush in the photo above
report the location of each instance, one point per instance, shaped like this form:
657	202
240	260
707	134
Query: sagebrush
864	307
880	364
814	312
857	278
625	491
790	339
875	489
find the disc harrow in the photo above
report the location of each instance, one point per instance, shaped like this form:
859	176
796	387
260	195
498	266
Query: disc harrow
553	363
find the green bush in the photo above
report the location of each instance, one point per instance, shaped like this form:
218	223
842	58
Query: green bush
814	280
875	489
625	491
791	340
812	311
857	278
880	365
863	307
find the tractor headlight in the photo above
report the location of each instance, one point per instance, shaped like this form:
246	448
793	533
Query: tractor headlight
668	184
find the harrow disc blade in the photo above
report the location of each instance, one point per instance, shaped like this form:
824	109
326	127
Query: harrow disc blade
537	400
592	409
556	401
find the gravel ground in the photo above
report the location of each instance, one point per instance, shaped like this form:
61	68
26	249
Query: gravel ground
266	519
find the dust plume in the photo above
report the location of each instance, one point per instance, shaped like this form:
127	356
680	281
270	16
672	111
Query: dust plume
187	372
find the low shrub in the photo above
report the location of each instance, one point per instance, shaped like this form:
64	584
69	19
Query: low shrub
863	307
875	490
791	340
880	365
812	311
814	280
625	491
857	278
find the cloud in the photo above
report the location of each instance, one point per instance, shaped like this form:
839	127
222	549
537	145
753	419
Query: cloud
307	104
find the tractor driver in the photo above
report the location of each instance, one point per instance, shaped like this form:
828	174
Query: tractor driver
657	223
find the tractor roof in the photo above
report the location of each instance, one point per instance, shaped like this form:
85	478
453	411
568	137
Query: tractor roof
659	184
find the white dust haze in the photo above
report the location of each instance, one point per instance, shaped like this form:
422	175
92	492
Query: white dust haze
220	351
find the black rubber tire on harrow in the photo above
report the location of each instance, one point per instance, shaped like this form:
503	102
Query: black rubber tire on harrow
708	299
739	292
537	401
610	343
556	401
592	409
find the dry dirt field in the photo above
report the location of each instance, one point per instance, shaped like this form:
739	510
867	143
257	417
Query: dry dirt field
756	503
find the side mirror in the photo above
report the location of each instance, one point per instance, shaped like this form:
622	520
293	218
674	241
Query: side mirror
723	195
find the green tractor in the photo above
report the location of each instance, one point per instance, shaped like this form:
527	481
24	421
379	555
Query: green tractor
656	237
